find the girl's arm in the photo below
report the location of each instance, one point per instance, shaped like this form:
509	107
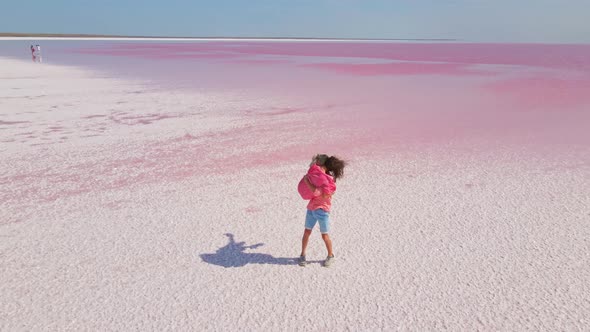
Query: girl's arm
313	188
308	183
317	191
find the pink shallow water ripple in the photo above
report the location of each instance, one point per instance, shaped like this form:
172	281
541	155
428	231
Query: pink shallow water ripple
575	57
407	68
535	92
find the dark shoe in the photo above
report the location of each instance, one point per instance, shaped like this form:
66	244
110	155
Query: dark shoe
301	261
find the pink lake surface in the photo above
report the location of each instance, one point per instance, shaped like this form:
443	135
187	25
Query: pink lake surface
390	94
352	99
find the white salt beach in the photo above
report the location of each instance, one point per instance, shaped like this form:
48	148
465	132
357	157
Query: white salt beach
129	207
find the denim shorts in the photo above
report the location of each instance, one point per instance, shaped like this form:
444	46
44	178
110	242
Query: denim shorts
318	215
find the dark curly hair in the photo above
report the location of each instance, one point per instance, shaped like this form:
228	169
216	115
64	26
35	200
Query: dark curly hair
335	167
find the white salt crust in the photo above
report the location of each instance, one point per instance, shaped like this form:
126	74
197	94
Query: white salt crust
430	239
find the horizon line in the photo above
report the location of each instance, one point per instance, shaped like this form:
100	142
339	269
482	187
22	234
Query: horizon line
63	36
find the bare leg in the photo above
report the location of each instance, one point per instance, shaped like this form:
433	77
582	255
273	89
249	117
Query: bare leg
328	243
304	241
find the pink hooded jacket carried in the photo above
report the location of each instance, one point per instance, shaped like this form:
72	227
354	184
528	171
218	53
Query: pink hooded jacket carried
325	186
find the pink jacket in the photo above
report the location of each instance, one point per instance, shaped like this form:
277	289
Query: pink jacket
325	186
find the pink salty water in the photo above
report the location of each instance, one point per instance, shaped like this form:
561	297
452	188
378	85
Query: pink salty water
384	94
346	98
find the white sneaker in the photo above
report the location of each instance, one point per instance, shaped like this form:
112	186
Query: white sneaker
329	261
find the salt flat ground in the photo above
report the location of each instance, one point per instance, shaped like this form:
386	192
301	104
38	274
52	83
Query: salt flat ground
126	207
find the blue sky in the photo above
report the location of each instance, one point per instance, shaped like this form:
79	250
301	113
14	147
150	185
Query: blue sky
563	21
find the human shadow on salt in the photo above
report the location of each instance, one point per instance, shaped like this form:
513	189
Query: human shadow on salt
234	254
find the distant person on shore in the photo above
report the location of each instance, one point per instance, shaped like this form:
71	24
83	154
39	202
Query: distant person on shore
318	186
38	53
33	53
